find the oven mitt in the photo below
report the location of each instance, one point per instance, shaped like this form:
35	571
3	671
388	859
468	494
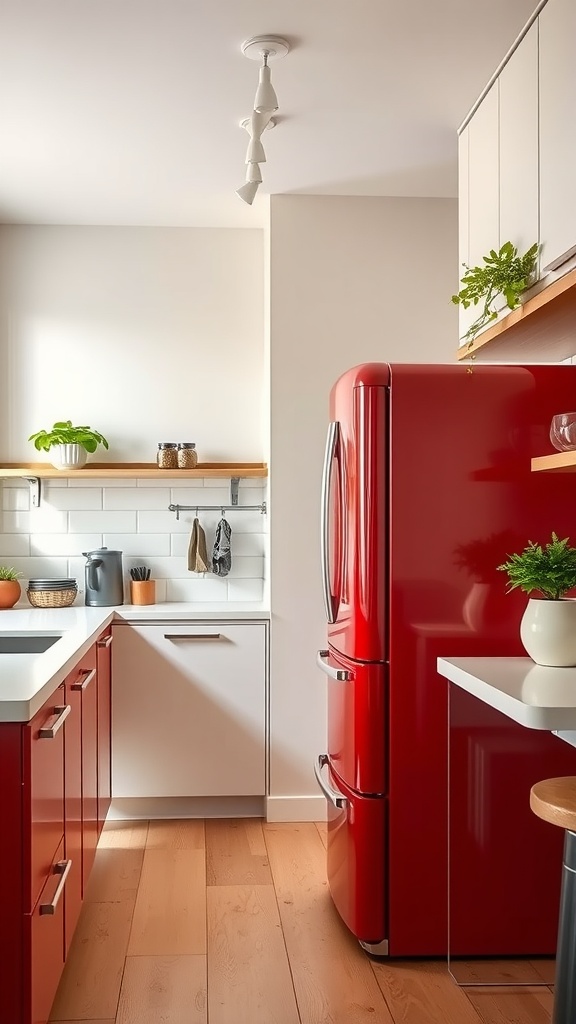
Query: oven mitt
222	555
197	555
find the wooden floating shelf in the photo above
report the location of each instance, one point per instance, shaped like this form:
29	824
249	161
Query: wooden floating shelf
131	470
542	329
561	462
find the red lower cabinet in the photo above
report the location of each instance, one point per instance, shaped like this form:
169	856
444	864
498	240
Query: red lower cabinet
44	942
49	815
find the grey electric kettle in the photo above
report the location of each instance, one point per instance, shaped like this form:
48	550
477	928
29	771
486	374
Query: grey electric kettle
103	573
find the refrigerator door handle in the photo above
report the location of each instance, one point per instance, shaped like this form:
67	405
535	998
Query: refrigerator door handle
342	675
330	451
335	798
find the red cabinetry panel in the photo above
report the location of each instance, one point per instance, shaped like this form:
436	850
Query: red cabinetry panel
85	683
43	779
73	806
44	943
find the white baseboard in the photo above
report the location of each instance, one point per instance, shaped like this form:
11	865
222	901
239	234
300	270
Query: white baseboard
296	808
138	808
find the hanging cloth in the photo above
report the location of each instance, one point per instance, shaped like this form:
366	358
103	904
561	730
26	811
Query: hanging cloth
222	555
197	554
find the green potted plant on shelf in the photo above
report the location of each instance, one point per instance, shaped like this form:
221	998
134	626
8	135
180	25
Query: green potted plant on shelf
548	627
504	273
10	588
70	444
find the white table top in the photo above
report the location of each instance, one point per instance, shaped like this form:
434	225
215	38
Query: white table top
28	680
533	695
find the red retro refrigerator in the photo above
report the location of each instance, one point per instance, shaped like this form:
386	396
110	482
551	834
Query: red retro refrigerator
427	487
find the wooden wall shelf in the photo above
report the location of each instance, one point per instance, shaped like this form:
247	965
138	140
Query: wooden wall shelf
130	470
560	462
542	329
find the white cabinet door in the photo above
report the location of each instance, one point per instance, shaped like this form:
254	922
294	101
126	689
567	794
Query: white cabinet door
557	46
481	225
518	135
188	709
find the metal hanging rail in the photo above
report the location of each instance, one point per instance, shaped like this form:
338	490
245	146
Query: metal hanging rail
233	507
217	508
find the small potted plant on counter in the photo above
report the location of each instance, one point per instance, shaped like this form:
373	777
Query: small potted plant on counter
548	627
10	588
70	444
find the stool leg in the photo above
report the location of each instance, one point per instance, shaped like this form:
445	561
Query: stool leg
565	985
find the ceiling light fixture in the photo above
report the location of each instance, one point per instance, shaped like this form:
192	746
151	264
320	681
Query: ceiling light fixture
264	49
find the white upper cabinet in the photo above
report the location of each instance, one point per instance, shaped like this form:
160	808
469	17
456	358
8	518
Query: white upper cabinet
478	193
483	214
557	23
518	143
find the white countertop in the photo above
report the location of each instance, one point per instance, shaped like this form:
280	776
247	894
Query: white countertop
533	695
27	680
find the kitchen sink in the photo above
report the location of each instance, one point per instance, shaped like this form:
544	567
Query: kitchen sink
27	643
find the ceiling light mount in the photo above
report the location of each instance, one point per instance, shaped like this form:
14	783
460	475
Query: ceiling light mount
271	47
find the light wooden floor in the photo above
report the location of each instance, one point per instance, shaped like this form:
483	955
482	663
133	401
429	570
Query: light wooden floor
230	922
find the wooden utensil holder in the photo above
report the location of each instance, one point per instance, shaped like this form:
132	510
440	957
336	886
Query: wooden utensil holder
143	591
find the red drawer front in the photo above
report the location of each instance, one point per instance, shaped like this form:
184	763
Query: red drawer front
43	775
44	945
73	807
357	862
357	724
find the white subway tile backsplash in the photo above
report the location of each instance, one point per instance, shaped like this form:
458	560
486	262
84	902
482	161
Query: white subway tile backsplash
200	495
206	589
38	520
144	498
74	498
109	522
251	481
68	544
79	514
165	481
14	544
16	499
105	481
140	544
246	590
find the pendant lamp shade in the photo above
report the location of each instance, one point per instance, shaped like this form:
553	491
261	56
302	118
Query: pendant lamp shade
253	173
255	153
247	191
265	100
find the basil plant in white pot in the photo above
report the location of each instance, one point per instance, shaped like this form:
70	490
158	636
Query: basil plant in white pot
548	627
69	446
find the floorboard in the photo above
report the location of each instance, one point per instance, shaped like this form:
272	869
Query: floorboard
163	990
123	835
177	834
115	875
248	972
333	979
170	912
422	992
236	852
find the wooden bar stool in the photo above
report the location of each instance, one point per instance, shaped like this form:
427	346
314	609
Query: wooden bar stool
554	800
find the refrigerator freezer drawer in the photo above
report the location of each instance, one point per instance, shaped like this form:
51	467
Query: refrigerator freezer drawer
357	742
357	861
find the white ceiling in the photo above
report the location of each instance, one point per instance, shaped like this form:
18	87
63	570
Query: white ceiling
127	111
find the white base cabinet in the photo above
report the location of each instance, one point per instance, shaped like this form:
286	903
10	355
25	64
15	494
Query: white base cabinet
189	709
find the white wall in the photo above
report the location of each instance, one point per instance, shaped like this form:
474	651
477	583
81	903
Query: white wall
147	334
352	280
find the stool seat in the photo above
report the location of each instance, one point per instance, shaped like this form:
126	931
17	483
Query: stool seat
554	800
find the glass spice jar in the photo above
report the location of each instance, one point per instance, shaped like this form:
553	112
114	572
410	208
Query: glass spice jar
187	455
167	455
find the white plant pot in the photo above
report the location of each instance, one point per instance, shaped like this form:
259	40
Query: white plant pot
548	632
68	456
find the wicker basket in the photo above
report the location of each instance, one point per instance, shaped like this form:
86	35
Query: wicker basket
52	598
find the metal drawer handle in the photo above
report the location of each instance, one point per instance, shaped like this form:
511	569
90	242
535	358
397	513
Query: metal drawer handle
88	677
48	732
192	636
335	798
61	868
342	675
106	642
